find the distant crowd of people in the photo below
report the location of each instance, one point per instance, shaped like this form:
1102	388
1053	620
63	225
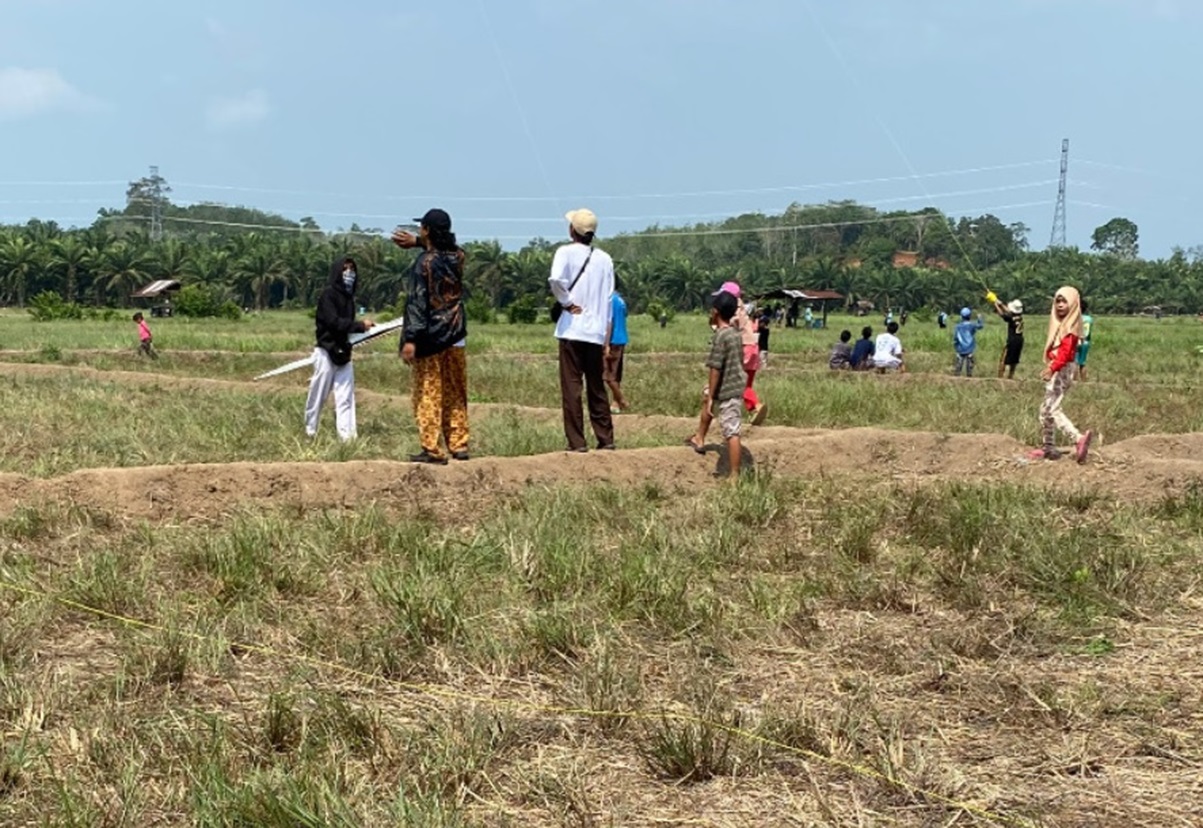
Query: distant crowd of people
885	353
1065	351
590	326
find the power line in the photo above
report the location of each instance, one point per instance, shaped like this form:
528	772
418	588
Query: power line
104	200
1119	168
596	197
1093	205
625	236
97	200
112	183
656	217
619	197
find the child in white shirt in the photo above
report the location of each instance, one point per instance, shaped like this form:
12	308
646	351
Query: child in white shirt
888	351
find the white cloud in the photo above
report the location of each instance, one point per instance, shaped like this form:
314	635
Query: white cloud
28	92
242	110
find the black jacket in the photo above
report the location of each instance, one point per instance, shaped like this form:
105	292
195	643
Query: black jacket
335	318
434	302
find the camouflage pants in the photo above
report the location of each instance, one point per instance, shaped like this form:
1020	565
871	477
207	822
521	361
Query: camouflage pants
1051	415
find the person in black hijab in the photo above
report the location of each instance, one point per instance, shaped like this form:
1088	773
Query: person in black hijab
332	370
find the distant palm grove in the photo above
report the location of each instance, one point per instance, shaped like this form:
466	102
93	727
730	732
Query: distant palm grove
243	258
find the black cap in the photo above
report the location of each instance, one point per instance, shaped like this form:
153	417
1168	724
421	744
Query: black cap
435	219
726	304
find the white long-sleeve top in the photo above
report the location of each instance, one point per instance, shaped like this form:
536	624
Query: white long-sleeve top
592	292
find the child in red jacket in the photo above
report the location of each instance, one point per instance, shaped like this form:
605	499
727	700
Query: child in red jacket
1060	348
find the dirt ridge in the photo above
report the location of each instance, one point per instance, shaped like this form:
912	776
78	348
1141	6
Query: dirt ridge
1143	468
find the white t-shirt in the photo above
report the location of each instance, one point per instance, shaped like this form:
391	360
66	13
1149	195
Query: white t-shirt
592	292
888	351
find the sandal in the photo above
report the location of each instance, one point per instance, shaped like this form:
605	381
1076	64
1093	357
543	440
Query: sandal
699	449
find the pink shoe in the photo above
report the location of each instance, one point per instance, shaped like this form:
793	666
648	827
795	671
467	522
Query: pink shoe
1083	446
1044	454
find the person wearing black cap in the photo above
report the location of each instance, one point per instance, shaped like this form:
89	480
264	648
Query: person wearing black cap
433	338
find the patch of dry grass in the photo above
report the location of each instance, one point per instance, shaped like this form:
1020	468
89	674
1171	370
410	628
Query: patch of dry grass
910	658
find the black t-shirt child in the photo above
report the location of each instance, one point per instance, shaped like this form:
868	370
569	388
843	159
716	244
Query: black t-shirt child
1014	326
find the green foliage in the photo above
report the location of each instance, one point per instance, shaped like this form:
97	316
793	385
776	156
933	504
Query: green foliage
394	311
657	308
525	311
1118	237
843	246
204	300
479	310
48	305
697	745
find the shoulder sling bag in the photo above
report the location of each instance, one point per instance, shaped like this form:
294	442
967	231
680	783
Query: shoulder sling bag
557	310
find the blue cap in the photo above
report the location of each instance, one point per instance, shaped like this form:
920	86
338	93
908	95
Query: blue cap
966	313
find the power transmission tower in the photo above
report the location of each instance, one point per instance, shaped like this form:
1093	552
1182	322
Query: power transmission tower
1058	237
156	205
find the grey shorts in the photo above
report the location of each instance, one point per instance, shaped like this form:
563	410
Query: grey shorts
730	416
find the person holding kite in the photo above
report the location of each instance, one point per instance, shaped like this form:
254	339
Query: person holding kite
1012	314
335	322
434	338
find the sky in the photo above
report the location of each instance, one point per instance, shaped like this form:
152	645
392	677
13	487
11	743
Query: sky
666	113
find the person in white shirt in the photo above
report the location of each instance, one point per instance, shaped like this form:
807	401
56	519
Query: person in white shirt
888	351
582	279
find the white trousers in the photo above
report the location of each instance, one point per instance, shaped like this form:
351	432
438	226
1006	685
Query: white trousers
326	377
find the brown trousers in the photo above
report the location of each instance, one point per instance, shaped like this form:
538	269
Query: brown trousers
583	360
440	395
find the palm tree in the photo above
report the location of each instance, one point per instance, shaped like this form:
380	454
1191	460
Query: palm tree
70	253
684	284
489	270
369	258
847	280
127	266
41	233
306	263
531	269
18	262
393	270
210	266
825	273
256	272
172	259
639	285
884	286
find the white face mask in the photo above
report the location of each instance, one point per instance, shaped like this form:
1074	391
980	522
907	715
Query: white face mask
349	278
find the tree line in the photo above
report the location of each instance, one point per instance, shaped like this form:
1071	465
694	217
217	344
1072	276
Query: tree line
899	259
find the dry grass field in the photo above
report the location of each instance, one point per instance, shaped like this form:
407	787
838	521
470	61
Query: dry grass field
894	618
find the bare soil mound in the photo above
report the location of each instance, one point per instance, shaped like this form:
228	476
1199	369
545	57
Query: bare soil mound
1144	467
872	456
